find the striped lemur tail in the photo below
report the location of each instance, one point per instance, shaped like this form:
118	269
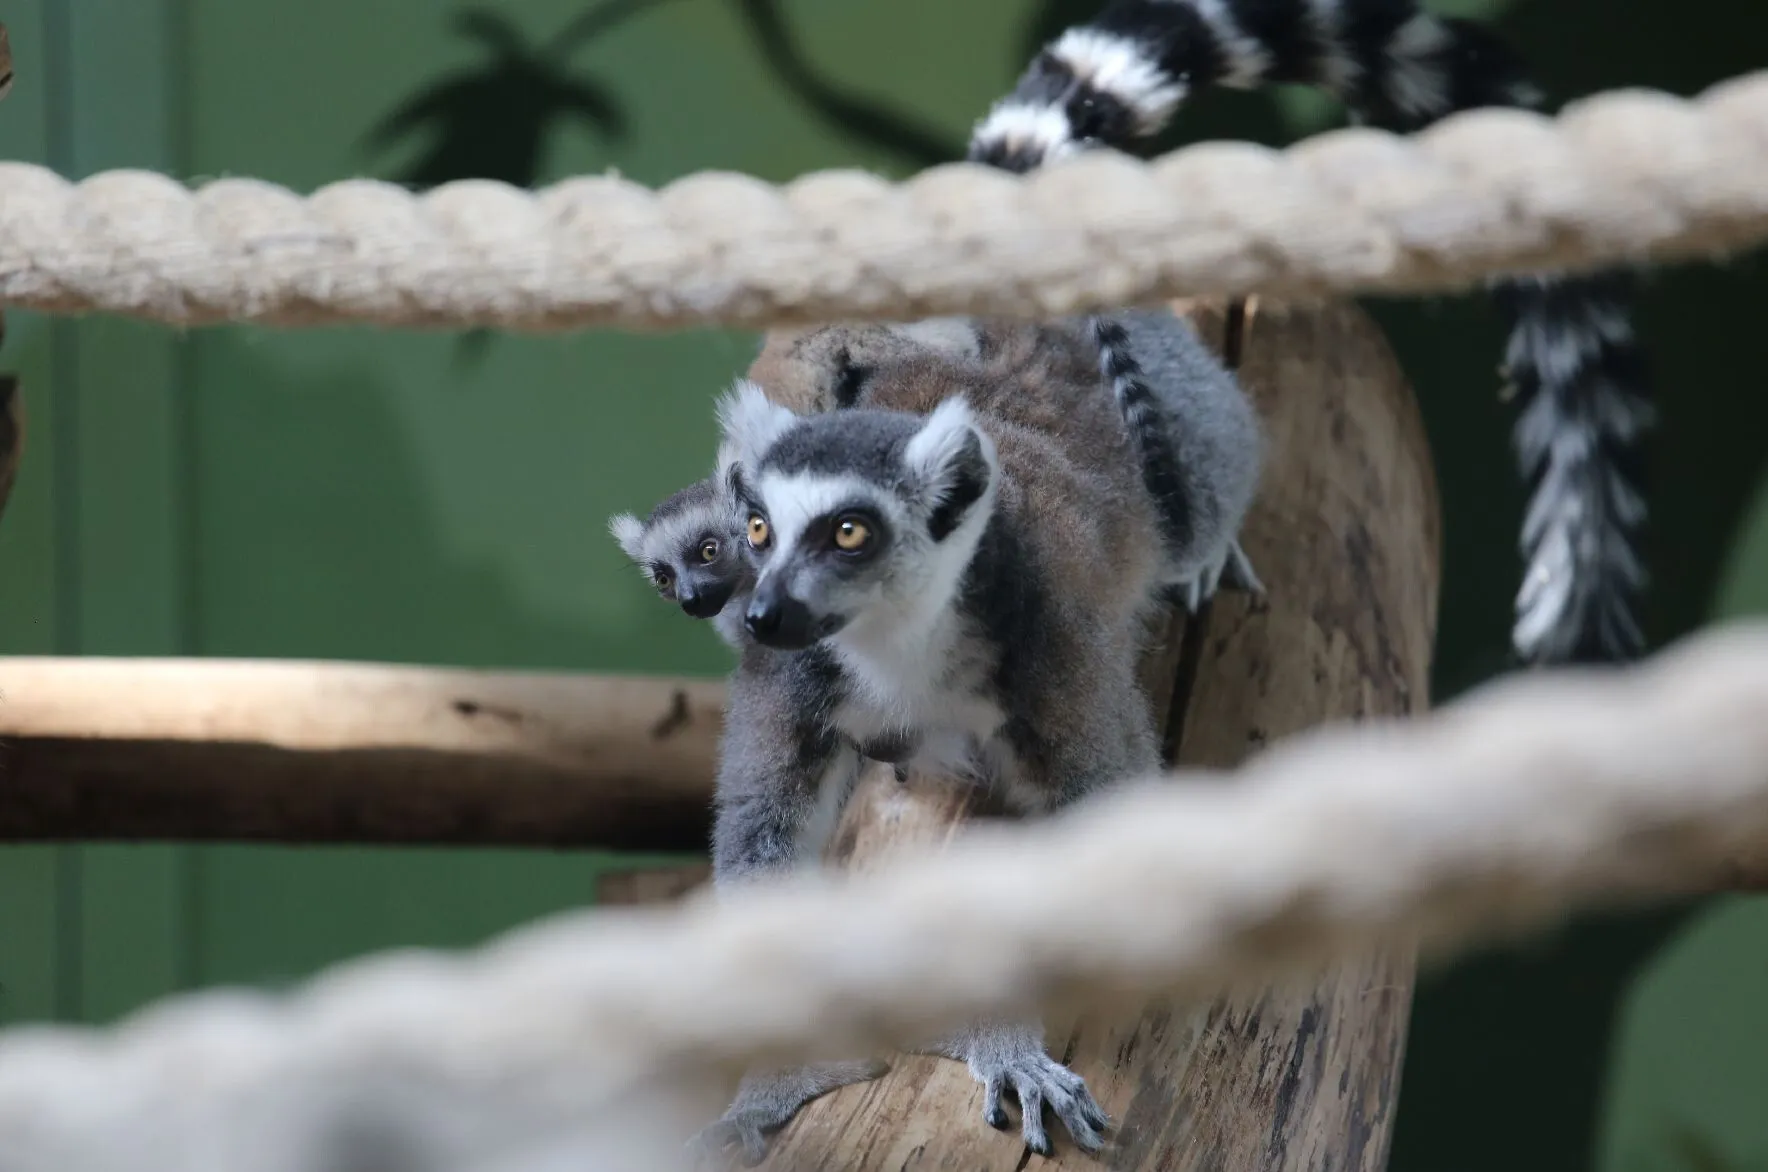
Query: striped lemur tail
1580	377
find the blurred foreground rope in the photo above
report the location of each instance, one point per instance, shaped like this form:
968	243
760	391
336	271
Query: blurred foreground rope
588	1042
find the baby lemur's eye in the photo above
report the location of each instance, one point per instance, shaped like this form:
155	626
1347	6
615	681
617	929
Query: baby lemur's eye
851	534
664	580
709	550
759	533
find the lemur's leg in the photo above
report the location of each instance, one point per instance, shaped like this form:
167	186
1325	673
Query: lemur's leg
781	773
767	1100
1090	741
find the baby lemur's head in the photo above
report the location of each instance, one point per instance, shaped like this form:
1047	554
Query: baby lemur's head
858	521
691	546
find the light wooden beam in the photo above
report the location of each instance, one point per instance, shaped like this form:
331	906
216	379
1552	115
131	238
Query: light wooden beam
309	752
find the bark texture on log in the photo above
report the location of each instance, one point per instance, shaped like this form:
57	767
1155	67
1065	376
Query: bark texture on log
302	752
1346	537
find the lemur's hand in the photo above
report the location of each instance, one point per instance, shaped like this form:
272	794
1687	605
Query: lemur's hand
1000	1057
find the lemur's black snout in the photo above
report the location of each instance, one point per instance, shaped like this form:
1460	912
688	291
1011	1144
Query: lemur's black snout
703	600
779	621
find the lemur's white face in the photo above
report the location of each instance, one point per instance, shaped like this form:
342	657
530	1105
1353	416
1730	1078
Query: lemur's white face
859	519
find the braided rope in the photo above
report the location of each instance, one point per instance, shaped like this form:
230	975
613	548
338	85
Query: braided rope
1539	795
1621	177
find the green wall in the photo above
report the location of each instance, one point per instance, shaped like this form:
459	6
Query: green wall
439	498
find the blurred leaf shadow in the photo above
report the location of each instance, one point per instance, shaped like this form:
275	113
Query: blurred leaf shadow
492	119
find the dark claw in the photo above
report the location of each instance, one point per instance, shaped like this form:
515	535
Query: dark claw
996	1118
1040	1146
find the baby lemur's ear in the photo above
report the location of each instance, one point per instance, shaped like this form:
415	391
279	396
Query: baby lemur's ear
629	531
952	463
750	423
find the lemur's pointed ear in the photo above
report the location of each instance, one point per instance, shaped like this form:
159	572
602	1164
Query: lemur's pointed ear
953	463
727	476
629	532
750	423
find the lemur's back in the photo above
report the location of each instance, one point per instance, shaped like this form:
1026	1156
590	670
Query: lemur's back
1071	486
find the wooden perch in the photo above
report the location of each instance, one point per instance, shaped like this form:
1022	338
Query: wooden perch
1346	536
293	752
5	63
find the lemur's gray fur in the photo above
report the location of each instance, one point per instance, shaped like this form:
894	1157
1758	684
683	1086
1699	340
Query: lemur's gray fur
1580	375
1199	448
1214	461
969	632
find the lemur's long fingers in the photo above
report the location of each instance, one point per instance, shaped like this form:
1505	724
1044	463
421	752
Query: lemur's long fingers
1031	1113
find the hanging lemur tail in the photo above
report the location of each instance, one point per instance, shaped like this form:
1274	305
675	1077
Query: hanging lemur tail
1580	379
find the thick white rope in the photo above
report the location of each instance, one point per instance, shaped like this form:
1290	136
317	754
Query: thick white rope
566	1044
1621	177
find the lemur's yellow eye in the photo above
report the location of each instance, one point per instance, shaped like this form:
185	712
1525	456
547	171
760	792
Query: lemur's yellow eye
709	550
664	579
851	534
759	533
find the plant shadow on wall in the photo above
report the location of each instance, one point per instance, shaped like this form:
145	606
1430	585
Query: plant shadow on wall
493	120
324	516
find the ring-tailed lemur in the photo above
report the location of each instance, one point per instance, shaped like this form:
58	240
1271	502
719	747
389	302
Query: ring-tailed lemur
1199	447
928	593
1572	360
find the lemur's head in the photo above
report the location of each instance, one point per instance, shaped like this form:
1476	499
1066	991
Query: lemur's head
855	519
691	547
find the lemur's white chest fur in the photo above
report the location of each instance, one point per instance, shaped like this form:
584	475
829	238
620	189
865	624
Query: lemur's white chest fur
926	685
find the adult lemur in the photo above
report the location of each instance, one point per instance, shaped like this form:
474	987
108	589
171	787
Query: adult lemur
928	592
1579	376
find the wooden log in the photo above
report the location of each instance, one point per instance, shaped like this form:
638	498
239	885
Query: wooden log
1346	536
5	63
305	752
639	885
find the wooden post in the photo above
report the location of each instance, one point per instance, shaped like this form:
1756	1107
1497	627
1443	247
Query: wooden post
1346	537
